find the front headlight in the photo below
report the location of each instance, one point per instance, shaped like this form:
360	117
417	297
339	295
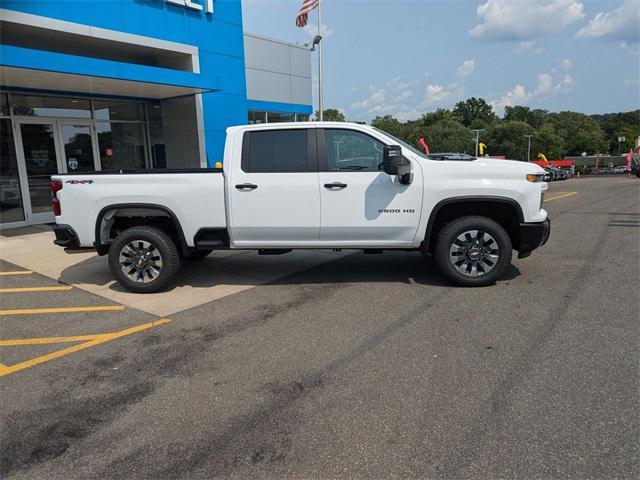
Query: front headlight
535	177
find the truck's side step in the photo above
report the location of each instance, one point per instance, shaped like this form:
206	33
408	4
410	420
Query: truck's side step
209	244
274	251
211	239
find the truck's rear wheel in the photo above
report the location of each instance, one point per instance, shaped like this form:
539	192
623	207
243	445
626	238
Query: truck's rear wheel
473	251
143	259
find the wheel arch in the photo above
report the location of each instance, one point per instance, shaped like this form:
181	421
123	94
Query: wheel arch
506	211
133	210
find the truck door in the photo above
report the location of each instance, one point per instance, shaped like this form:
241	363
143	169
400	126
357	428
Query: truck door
360	204
274	199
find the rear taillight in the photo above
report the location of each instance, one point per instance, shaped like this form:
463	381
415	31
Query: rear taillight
55	187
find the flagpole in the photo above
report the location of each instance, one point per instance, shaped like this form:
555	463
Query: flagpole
320	99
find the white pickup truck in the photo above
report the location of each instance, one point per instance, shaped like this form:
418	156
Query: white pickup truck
313	186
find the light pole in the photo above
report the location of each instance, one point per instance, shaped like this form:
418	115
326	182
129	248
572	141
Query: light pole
477	132
621	139
317	40
529	147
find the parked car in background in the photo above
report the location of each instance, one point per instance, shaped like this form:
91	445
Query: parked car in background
558	173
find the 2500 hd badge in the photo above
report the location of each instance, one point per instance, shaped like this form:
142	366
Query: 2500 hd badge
397	210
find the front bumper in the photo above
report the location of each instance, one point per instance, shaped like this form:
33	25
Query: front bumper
66	237
532	236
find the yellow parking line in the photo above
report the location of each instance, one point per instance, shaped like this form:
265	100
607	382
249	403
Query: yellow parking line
91	341
45	340
17	272
30	311
62	288
558	197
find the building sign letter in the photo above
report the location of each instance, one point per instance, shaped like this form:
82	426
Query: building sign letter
194	5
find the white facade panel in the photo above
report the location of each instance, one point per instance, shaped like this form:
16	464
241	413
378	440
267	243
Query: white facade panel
266	55
277	71
301	91
300	62
268	86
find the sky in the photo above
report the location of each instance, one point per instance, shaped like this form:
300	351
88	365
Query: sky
405	58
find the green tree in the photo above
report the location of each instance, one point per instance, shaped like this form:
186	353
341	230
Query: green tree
547	141
390	124
535	118
474	109
331	115
580	132
508	138
446	135
614	125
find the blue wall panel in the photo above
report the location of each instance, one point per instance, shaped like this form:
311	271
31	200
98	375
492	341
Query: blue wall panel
219	38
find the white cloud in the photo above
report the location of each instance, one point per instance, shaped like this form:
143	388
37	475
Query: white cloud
465	69
404	98
435	94
516	96
622	23
528	47
548	86
566	64
404	95
522	20
405	115
376	98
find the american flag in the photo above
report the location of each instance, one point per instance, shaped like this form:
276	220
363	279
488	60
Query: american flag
303	14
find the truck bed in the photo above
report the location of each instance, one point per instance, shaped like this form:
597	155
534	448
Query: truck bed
195	197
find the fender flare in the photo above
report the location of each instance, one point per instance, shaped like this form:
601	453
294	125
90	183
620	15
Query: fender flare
102	247
468	199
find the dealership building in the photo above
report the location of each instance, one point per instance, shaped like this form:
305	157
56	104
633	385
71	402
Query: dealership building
91	85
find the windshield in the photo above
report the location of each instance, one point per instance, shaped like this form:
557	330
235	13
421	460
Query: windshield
403	143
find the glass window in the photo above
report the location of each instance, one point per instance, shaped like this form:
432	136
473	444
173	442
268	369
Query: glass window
4	104
257	117
118	110
302	118
121	145
154	112
276	117
10	196
50	106
351	150
273	117
158	151
277	151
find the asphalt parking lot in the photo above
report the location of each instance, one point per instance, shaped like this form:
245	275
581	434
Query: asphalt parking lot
360	366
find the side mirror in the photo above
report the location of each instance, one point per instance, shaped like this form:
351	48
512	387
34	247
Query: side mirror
394	163
392	159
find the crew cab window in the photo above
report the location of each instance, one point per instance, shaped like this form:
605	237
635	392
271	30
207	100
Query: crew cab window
349	150
272	151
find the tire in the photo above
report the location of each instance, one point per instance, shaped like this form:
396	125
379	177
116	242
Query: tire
480	262
198	254
158	256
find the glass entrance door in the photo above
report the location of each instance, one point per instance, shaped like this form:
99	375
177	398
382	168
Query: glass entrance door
48	147
39	147
78	147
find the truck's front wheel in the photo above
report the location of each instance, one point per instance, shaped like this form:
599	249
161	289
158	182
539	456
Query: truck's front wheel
143	259
473	251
